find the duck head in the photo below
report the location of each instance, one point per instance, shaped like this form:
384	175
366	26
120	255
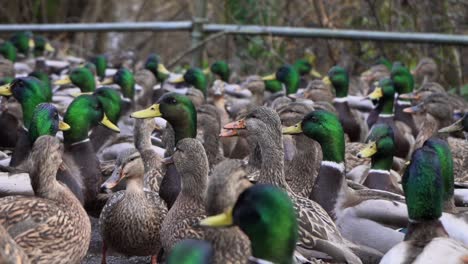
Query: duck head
221	69
189	251
100	61
304	67
402	78
29	91
111	102
384	93
267	216
194	77
129	165
45	121
437	105
380	147
125	79
8	51
325	128
23	41
82	77
153	64
41	45
338	77
84	113
178	110
287	75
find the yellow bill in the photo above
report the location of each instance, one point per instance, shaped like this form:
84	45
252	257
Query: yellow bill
81	93
63	81
326	80
315	73
269	77
152	111
107	123
162	69
368	151
220	220
107	81
376	94
207	71
177	79
296	129
31	43
63	126
5	90
49	47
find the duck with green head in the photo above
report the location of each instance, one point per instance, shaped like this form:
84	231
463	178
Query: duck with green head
273	86
221	69
288	76
305	69
194	77
343	204
41	45
404	84
426	240
181	114
125	79
100	61
338	78
23	41
384	92
191	251
29	92
154	65
380	148
267	216
8	51
81	77
83	114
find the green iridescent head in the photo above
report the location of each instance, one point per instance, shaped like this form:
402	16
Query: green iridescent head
45	121
196	77
266	215
287	75
339	78
444	153
191	251
402	78
110	101
45	79
23	41
100	62
41	45
273	86
154	65
302	66
325	128
91	67
384	92
29	91
423	185
380	147
221	68
84	113
125	79
178	110
83	78
8	51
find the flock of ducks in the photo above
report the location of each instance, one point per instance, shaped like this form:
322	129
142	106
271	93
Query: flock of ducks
286	168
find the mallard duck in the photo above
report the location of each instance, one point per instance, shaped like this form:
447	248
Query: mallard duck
426	240
81	77
385	94
23	41
153	64
41	46
426	71
8	51
381	148
194	77
29	92
262	128
192	165
143	210
83	114
191	251
305	70
225	184
289	76
338	78
267	216
355	212
52	227
404	83
10	252
100	61
221	69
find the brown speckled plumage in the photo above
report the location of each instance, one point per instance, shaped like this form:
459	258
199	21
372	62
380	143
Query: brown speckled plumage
10	252
188	209
131	220
52	227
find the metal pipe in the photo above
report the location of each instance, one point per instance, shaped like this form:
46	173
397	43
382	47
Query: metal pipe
99	27
363	35
360	35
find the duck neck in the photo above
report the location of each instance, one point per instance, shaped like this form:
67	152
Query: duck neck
194	183
382	162
425	231
185	128
272	168
135	185
387	105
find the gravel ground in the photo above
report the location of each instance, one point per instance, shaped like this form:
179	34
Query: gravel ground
94	254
